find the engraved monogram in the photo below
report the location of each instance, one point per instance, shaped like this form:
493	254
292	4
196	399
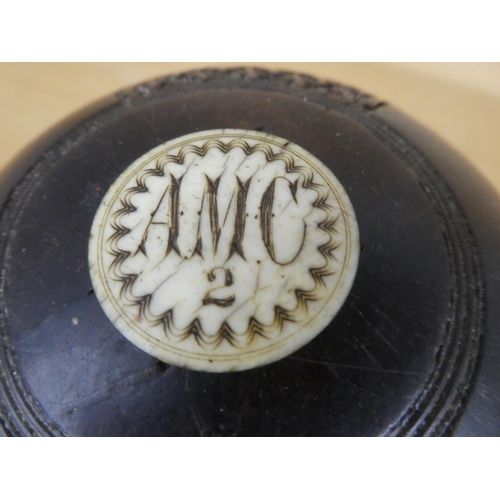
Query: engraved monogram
223	245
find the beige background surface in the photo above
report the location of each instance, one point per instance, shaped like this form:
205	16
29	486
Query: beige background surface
459	102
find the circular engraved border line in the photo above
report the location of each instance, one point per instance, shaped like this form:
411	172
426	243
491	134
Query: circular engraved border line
437	408
250	358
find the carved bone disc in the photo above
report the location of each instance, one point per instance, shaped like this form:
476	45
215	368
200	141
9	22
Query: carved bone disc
223	250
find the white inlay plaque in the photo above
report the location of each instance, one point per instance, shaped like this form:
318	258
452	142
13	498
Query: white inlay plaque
223	250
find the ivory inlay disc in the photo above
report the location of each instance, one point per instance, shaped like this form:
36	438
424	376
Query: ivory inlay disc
223	250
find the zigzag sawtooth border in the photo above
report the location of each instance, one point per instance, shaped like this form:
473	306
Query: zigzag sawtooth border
225	333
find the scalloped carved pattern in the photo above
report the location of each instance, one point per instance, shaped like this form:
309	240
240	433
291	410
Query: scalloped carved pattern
224	244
